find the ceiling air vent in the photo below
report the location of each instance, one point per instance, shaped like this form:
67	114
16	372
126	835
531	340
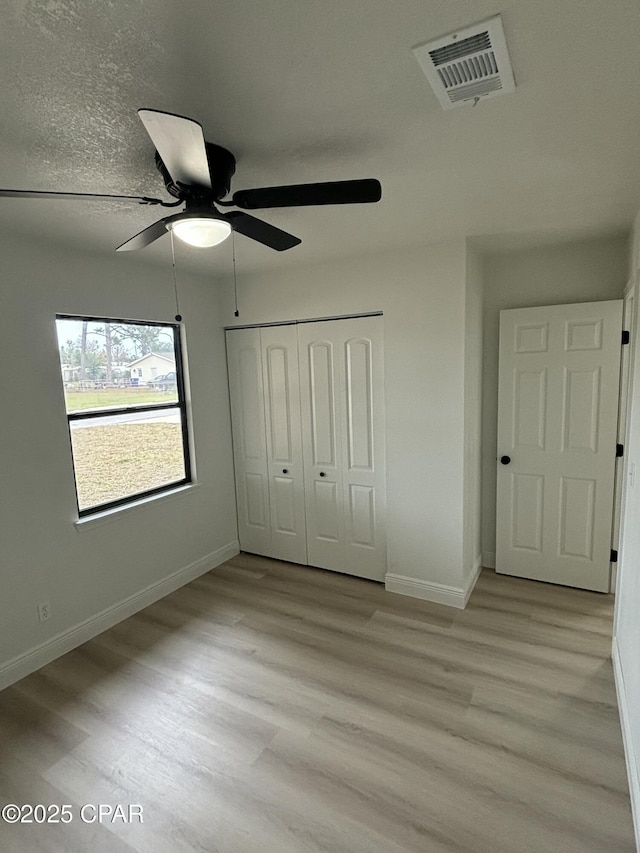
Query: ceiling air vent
468	64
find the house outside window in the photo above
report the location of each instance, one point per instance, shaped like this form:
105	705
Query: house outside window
129	439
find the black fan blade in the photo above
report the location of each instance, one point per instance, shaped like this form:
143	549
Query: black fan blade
180	143
145	237
299	195
261	231
86	196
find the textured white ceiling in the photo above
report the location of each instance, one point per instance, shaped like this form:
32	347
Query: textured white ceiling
312	90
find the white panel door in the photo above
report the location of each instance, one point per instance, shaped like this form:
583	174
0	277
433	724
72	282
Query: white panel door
244	357
284	443
363	447
557	421
343	444
319	349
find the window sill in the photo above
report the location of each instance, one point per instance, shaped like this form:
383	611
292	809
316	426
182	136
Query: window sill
82	525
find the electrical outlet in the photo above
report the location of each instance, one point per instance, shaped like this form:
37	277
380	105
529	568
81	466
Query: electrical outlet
44	611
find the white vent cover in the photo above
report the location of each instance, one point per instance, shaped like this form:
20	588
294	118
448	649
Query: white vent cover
468	64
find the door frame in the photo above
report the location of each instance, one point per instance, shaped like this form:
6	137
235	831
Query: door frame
626	370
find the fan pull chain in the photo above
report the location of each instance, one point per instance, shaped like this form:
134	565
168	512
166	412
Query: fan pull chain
175	281
236	313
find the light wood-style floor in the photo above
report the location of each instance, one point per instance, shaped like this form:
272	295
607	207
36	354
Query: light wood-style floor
272	708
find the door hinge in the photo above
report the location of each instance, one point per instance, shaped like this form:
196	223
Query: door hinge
619	450
625	337
614	556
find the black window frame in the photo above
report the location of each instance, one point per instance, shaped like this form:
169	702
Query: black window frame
180	404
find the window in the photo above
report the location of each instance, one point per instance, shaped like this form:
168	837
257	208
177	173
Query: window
128	435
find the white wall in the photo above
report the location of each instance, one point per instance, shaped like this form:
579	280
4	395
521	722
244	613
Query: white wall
422	295
626	642
550	275
43	557
473	346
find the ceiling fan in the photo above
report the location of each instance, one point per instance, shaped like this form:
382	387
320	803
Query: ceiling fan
198	174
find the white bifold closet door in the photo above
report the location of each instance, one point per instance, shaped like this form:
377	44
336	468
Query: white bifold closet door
284	443
308	432
343	424
265	409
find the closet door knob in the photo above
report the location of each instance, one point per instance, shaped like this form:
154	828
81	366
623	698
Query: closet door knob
285	470
322	474
505	460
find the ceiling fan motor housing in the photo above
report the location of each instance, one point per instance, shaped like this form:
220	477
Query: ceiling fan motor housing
222	166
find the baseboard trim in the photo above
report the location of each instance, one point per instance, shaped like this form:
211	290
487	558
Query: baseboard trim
633	769
438	593
489	560
64	642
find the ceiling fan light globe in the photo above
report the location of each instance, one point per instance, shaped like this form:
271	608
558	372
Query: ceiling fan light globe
201	232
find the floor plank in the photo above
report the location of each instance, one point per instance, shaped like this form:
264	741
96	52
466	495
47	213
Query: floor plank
273	708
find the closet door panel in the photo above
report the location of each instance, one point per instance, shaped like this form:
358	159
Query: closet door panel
322	445
327	511
277	383
254	502
322	401
363	446
359	395
281	381
249	442
362	517
283	505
